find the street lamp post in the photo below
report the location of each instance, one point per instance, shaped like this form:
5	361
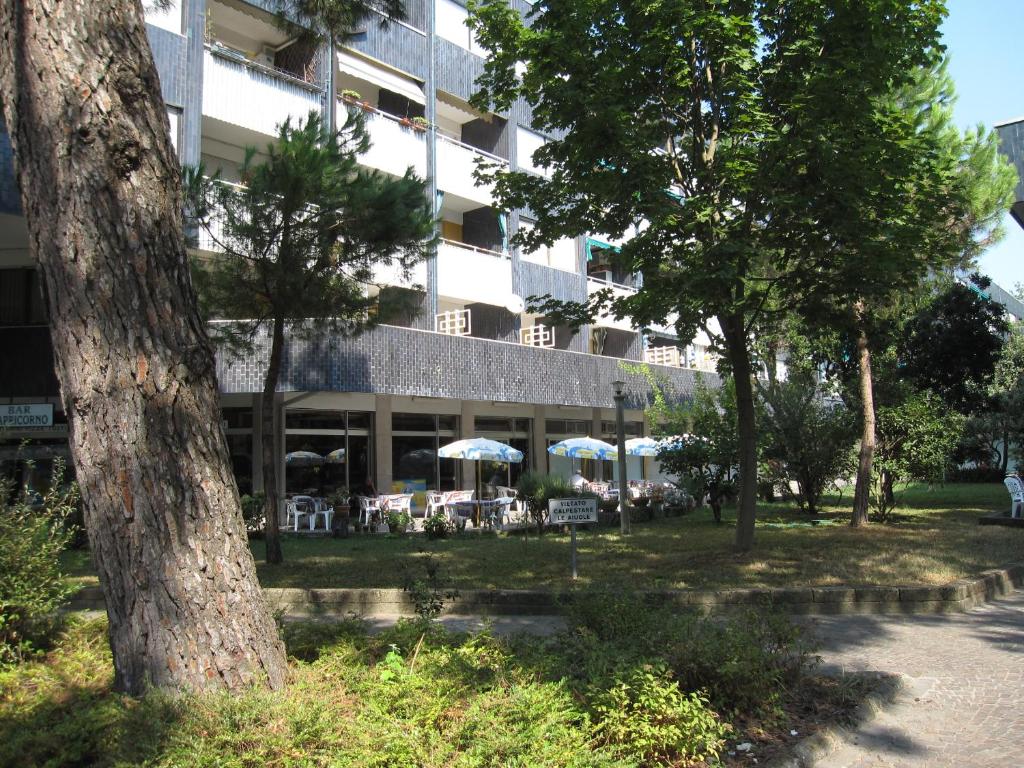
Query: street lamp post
620	432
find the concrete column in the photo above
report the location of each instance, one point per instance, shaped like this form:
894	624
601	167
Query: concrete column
382	443
467	429
538	440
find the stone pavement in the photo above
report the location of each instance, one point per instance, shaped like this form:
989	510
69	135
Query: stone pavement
963	701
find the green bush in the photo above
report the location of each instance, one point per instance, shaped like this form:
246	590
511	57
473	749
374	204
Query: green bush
644	716
398	520
438	526
32	588
254	512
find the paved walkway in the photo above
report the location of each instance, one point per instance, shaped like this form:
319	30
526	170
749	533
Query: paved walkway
963	705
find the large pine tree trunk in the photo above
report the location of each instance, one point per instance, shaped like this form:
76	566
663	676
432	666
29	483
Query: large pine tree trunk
101	192
271	483
862	491
739	358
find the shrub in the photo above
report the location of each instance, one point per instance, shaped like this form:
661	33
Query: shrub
437	526
254	512
32	588
644	716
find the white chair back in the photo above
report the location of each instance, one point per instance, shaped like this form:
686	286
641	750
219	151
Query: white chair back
399	502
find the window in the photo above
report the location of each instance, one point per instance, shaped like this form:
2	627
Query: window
21	298
347	453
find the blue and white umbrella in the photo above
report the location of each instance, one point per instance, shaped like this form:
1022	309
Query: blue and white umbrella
480	449
585	448
303	459
642	446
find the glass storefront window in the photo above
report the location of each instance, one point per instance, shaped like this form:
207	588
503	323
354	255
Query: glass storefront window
323	432
299	418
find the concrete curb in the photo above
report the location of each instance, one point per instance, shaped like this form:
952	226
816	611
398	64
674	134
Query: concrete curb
956	596
813	750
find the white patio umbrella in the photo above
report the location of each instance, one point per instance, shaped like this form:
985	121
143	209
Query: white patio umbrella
480	449
303	459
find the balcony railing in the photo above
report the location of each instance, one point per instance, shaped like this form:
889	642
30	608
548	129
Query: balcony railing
455	322
469	273
253	95
663	356
537	336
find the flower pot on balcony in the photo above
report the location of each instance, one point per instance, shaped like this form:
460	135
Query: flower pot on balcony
367	106
406	122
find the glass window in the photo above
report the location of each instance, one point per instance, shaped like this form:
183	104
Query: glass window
237	418
491	424
414	422
360	420
448	423
301	418
318	478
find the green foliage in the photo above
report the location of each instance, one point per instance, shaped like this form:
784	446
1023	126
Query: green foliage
644	716
301	239
438	526
952	344
32	587
537	489
808	438
253	508
398	520
704	462
413	694
916	440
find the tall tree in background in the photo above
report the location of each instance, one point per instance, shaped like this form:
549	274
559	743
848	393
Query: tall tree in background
960	220
299	244
742	148
100	187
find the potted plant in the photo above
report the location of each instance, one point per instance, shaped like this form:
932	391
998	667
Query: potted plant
367	106
339	501
420	123
406	121
398	520
350	97
252	513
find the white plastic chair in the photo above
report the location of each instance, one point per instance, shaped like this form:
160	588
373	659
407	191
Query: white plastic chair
435	503
453	501
368	508
1016	488
321	507
298	507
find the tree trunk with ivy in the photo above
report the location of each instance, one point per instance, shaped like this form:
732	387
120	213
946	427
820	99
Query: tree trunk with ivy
101	192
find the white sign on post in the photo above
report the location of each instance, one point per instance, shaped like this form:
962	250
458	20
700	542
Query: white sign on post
572	511
26	416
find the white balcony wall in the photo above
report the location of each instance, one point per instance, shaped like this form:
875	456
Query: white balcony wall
393	146
473	275
450	21
528	142
250	96
391	274
455	165
608	321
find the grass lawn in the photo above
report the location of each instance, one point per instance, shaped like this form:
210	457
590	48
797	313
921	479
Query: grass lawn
934	539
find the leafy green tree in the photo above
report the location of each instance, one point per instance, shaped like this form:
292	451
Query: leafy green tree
299	245
705	453
962	219
952	344
808	437
746	151
916	440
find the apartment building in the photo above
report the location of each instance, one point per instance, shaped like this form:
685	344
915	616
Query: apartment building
473	362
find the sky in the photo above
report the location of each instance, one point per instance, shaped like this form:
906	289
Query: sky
984	39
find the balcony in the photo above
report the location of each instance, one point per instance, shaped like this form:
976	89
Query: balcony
618	290
470	274
253	96
394	146
456	162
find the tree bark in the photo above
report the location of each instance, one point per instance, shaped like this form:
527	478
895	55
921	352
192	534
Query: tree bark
101	191
268	438
862	491
739	358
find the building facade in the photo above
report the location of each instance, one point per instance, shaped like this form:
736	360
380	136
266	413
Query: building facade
473	362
